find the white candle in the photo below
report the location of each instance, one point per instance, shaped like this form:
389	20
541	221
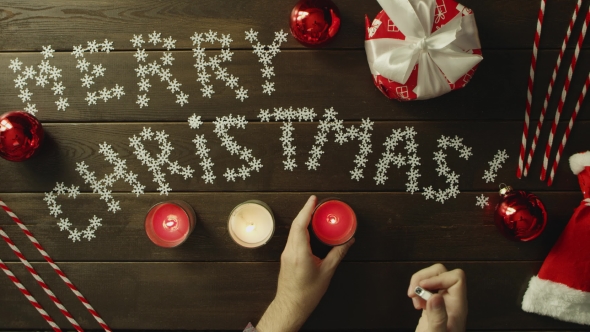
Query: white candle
251	224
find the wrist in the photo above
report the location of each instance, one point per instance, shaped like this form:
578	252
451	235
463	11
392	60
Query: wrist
282	315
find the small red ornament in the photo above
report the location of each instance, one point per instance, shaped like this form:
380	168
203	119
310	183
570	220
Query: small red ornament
520	215
20	135
314	22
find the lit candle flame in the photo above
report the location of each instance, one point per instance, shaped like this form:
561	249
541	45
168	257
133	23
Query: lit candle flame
332	219
250	228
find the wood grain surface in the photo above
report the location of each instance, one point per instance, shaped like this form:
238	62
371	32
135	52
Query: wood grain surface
210	283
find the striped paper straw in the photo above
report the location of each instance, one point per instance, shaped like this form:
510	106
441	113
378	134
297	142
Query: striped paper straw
529	97
55	267
40	281
550	89
29	297
563	96
568	130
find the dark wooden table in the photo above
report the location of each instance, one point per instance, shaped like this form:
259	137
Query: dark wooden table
210	283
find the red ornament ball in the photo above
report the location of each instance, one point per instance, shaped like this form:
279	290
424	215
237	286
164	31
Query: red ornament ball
314	22
520	215
20	135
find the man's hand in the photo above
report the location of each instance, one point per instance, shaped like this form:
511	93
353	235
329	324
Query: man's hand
447	310
303	279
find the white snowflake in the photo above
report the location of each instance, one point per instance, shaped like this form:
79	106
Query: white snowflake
207	91
268	87
281	37
74	235
31	108
78	51
20	82
64	224
117	91
194	121
144	84
230	175
251	36
137	41
182	98
142	100
167	59
44	67
83	65
87	81
482	201
15	64
98	70
489	176
25	95
241	93
154	38
429	193
268	72
91	98
29	72
55	73
62	103
140	55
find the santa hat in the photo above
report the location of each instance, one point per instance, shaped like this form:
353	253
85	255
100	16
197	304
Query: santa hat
562	287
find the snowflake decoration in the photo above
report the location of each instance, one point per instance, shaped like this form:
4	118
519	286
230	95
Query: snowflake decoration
15	65
482	201
495	164
389	158
443	169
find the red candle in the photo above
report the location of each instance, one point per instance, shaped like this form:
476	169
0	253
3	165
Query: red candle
168	224
333	222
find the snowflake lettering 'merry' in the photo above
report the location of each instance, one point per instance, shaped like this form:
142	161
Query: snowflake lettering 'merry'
42	78
443	169
288	115
147	69
389	158
495	164
195	122
266	54
155	164
64	224
222	126
94	71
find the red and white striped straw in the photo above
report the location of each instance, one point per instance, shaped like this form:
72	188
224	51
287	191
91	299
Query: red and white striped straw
40	281
568	130
55	267
529	97
29	297
566	39
563	96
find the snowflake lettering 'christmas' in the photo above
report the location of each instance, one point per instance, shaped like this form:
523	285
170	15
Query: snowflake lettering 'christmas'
222	126
390	158
443	169
482	201
64	224
495	164
266	54
94	71
287	116
155	68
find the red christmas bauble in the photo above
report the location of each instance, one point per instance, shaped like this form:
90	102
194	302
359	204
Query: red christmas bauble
20	135
520	215
314	22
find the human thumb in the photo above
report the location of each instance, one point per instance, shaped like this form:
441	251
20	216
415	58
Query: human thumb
437	314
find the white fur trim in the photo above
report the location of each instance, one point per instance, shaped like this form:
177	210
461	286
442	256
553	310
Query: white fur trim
579	161
548	298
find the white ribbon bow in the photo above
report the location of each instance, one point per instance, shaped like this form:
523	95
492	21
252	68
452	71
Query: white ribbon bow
438	54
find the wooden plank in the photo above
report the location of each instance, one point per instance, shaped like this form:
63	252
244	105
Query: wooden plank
68	144
392	227
28	24
228	295
317	79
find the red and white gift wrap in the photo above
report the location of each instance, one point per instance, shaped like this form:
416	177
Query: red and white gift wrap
421	49
562	288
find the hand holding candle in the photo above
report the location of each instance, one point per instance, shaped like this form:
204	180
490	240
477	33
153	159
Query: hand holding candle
303	279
